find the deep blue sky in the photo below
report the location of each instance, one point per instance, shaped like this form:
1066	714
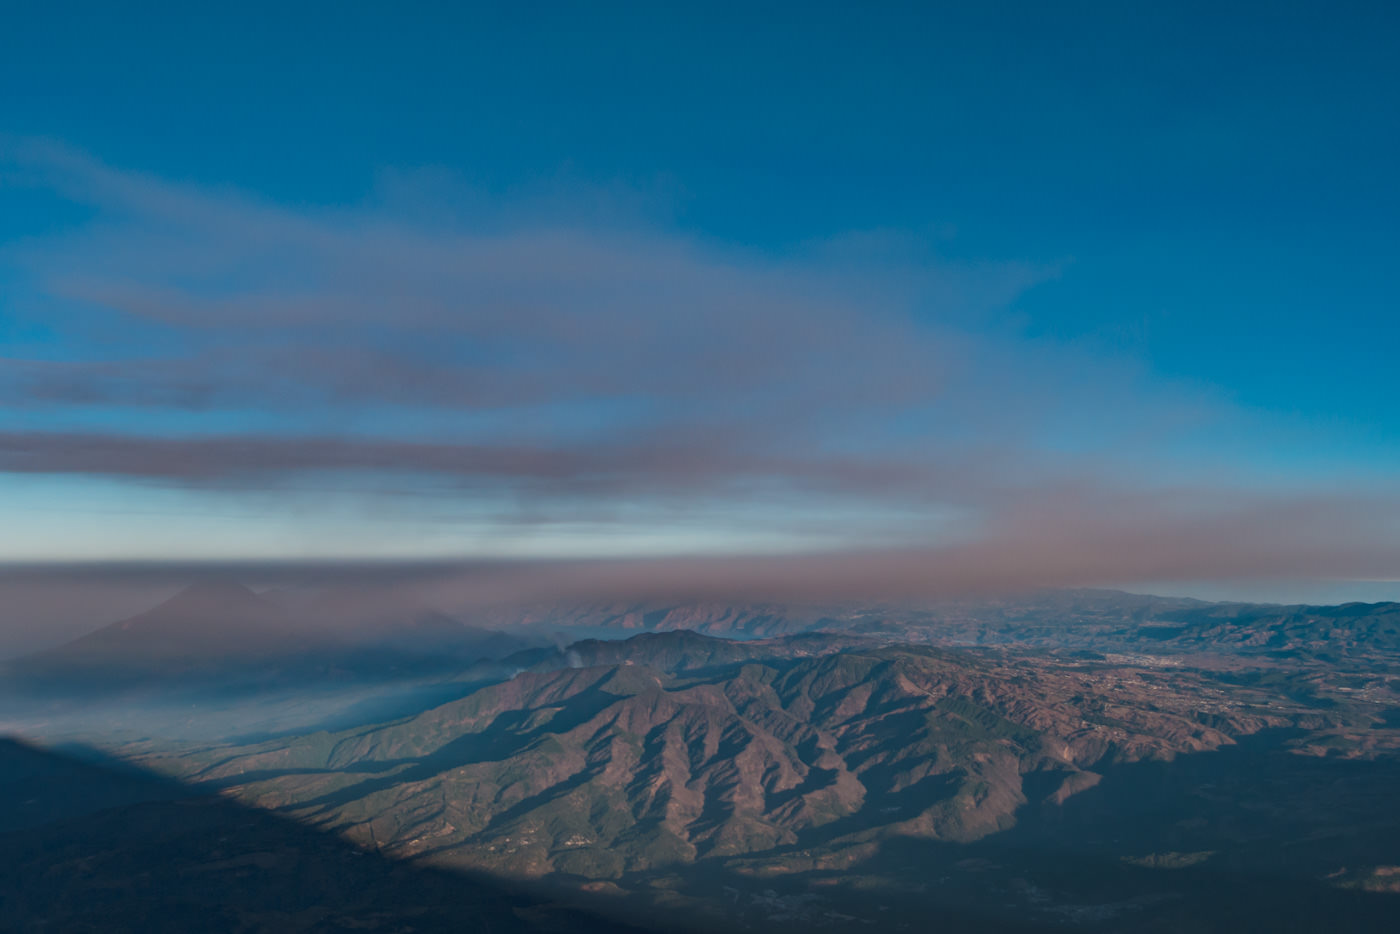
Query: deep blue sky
1200	198
1218	178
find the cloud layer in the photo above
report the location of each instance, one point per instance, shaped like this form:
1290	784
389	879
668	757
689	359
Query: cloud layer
206	339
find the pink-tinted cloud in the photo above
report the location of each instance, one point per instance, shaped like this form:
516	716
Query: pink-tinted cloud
211	339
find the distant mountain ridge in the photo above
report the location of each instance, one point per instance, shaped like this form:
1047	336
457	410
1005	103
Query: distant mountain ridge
219	619
1097	620
222	629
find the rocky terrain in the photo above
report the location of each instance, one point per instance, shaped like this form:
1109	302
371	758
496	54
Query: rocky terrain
1094	760
608	769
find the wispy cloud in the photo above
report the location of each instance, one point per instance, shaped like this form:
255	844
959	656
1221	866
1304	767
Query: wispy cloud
208	338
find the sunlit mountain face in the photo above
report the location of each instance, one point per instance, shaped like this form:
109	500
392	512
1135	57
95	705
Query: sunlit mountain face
1095	759
784	469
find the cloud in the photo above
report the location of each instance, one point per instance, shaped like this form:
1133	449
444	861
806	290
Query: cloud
178	301
657	464
1074	541
216	300
210	339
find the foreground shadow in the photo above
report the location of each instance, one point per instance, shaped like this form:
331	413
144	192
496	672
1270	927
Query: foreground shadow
88	844
1248	838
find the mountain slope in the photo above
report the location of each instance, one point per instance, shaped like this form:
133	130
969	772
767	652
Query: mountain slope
823	780
601	771
86	848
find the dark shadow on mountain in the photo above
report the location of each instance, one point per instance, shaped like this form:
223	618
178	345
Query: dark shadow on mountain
1238	840
1257	804
511	735
1248	838
99	846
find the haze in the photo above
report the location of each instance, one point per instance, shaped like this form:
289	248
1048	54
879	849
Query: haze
1111	317
644	468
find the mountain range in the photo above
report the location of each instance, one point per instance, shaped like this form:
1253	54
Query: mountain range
225	632
1092	759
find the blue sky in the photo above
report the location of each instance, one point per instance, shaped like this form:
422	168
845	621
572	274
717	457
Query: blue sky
741	279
